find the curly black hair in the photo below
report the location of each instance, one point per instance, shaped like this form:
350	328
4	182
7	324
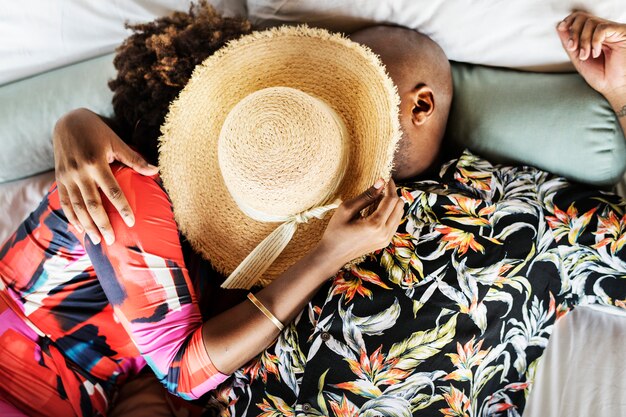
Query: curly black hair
155	63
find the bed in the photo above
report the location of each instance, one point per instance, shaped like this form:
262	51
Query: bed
583	371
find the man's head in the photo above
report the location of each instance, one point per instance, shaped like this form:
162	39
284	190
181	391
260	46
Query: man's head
422	74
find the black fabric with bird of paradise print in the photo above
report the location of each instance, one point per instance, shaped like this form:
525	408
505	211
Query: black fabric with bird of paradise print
452	317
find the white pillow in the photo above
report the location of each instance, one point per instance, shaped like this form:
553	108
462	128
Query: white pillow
38	35
515	34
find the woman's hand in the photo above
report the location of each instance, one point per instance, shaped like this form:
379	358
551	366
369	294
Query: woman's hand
233	337
350	235
597	48
84	146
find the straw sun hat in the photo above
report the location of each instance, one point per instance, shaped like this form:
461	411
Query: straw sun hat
268	135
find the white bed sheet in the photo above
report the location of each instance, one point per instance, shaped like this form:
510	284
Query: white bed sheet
583	371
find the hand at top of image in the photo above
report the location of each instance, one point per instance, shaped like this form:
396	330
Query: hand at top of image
84	146
597	48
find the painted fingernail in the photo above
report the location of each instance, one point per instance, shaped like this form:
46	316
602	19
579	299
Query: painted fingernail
109	239
570	44
129	220
379	183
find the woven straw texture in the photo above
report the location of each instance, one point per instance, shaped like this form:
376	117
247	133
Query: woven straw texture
346	76
282	151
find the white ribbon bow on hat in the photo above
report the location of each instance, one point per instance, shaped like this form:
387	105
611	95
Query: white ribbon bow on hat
256	263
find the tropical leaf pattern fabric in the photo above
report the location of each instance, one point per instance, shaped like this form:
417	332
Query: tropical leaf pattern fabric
453	316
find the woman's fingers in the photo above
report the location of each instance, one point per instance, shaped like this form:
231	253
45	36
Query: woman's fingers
394	219
82	204
78	205
95	209
351	236
111	189
123	153
365	199
387	216
387	203
66	205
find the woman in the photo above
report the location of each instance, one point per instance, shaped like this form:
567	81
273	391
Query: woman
80	317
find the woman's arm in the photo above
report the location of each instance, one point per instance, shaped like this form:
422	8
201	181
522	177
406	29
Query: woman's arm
348	236
84	146
144	277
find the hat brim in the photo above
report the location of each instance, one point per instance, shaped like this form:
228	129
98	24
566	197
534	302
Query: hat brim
346	75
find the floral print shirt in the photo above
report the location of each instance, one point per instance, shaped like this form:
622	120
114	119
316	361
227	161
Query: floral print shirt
452	318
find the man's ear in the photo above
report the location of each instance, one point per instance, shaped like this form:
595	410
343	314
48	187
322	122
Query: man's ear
422	104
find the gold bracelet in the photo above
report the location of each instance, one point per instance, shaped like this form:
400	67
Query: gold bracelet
265	311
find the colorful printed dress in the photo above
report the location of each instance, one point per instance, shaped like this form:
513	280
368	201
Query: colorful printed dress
98	313
452	318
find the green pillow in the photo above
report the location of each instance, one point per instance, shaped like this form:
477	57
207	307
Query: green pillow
29	108
555	122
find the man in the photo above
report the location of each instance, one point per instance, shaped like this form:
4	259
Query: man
452	317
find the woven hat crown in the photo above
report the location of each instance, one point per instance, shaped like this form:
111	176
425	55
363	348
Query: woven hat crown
282	151
329	76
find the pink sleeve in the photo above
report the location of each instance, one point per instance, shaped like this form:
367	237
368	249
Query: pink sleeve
144	277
